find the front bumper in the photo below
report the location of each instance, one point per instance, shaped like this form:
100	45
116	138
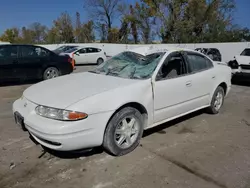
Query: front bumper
62	135
241	70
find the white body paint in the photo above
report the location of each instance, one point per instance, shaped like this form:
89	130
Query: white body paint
101	95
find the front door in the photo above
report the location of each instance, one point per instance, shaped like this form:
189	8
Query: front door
81	57
202	73
172	88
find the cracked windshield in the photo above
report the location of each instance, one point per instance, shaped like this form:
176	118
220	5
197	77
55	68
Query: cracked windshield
130	65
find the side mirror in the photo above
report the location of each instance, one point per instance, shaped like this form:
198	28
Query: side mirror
77	53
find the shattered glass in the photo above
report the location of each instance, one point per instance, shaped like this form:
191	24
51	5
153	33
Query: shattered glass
130	65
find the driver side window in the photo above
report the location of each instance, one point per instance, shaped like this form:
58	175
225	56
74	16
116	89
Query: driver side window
174	66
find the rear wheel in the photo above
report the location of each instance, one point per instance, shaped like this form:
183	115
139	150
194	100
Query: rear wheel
50	72
123	132
217	101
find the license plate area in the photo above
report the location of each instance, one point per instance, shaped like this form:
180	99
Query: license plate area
19	121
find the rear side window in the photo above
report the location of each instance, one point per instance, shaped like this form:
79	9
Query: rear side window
32	51
198	63
246	52
93	50
8	51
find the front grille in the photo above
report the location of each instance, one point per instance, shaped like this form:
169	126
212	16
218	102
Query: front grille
245	67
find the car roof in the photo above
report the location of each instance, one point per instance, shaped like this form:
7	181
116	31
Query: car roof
21	45
155	49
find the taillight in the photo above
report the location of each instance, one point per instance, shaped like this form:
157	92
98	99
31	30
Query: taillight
72	61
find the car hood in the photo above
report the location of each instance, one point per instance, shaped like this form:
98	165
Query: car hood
63	91
242	60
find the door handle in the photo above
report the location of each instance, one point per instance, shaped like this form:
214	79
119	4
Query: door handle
213	77
189	83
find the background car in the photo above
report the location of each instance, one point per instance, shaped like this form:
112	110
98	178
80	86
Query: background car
241	64
64	48
113	104
25	62
213	53
86	55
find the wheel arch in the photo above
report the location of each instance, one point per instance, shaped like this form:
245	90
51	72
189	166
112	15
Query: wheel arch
224	86
221	84
99	58
135	105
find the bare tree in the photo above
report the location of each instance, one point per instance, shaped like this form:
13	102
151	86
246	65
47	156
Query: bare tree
78	27
103	11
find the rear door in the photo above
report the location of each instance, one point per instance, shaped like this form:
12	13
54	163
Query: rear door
202	76
8	61
32	61
93	54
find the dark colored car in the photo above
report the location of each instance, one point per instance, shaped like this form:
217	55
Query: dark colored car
64	48
213	53
29	62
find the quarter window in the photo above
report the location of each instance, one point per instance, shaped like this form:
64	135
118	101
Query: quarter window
93	50
198	62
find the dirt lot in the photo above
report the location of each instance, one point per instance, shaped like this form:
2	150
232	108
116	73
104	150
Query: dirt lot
198	151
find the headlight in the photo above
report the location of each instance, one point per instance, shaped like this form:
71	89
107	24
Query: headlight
59	114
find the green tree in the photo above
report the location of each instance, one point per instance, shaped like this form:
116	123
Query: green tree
38	32
27	36
87	31
53	36
192	20
64	29
84	32
11	35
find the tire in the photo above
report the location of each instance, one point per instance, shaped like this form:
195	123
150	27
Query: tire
50	72
99	61
118	130
215	108
233	64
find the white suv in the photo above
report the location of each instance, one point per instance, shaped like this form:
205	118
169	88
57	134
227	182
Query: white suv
241	63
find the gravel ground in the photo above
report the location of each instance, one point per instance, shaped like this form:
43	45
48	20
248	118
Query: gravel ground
197	151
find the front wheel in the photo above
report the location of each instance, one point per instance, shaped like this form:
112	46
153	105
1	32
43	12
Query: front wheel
123	132
99	61
217	101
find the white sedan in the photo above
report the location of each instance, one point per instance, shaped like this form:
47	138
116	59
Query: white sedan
86	55
112	105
